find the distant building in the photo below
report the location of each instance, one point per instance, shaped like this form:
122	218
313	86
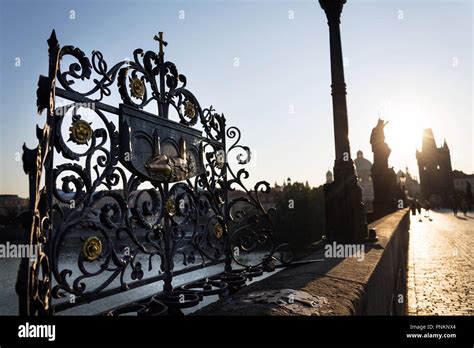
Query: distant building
278	188
268	200
12	204
412	186
434	164
460	180
329	177
363	167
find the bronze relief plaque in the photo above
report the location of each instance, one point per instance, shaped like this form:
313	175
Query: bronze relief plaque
159	149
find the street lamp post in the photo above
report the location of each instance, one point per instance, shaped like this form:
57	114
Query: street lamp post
345	216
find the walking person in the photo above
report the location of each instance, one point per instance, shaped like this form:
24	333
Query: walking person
468	196
464	207
418	209
455	205
427	209
413	208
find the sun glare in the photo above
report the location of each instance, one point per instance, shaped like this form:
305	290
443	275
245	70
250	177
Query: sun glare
404	133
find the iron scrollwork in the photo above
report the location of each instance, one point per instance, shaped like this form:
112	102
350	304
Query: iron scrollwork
174	203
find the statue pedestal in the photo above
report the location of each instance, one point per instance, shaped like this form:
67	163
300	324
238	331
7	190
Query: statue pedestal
385	186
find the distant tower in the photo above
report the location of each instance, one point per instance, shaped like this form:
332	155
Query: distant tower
434	165
329	178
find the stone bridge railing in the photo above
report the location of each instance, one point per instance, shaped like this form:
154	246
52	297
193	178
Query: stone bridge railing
374	284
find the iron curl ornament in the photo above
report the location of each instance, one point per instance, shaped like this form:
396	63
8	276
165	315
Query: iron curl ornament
132	197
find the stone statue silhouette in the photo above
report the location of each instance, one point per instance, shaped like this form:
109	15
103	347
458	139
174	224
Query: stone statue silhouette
379	147
384	178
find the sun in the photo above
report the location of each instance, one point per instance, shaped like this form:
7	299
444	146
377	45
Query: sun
404	133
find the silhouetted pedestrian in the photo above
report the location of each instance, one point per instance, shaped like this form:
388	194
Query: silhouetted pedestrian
455	205
464	207
413	208
418	209
468	196
427	209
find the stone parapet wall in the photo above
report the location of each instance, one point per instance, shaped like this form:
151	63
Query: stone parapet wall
375	285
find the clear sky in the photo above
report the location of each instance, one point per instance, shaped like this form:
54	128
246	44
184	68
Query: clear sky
410	61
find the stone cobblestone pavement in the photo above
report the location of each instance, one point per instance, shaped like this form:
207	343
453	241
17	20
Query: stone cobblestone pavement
440	265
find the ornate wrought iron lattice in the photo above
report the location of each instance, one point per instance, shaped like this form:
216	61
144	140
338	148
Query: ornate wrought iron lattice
128	188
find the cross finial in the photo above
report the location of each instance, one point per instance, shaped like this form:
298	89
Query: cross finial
162	42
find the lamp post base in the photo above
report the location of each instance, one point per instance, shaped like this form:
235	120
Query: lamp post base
345	215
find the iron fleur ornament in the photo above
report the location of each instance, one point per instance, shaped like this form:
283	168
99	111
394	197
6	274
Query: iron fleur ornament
171	207
80	131
137	88
189	109
218	230
92	248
